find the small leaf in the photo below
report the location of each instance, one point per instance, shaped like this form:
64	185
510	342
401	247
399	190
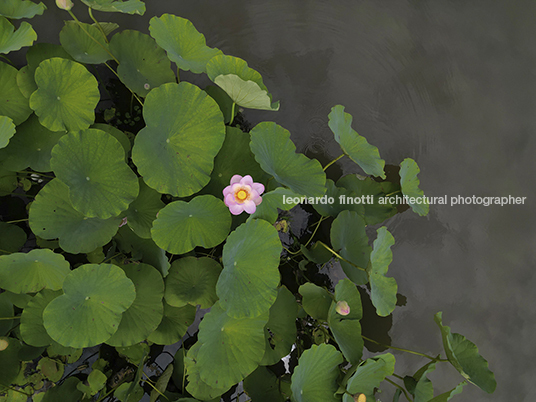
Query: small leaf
117	6
32	329
274	200
17	9
424	390
369	375
174	324
161	383
355	146
13	104
7	130
196	386
316	301
11	40
410	187
142	211
12	238
447	396
382	289
84	43
263	386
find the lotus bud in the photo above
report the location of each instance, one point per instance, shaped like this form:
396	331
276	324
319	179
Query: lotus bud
360	398
4	343
64	4
342	308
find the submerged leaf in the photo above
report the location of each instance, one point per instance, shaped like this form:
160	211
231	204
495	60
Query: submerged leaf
382	289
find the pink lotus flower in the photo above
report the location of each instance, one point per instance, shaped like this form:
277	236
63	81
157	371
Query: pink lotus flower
242	195
342	308
64	4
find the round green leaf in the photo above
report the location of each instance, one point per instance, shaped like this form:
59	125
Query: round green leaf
31	323
223	345
314	379
145	314
7	130
12	238
192	281
17	9
369	375
247	286
85	44
26	82
66	392
14	40
31	147
119	6
242	84
196	386
141	67
175	152
410	187
31	272
355	146
92	164
13	104
181	226
349	238
143	210
174	324
90	310
53	216
182	42
277	156
117	134
315	300
382	289
66	97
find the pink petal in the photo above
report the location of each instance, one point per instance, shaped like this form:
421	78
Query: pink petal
257	200
249	206
227	190
229	200
236	179
235	187
247	180
258	187
236	209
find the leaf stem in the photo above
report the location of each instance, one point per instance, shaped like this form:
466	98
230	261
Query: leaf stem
30	172
333	161
90	11
232	113
394	192
405	350
399	387
314	232
18	220
9	318
117	75
341	258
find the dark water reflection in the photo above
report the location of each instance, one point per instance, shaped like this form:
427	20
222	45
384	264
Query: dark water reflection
448	83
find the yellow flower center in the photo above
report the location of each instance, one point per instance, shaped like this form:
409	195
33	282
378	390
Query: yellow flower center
241	195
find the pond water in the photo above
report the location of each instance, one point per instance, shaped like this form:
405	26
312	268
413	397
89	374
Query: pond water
450	84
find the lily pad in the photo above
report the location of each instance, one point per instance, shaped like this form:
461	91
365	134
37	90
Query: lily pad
85	43
463	355
181	226
7	130
355	146
8	181
26	82
9	361
224	346
90	310
410	187
141	67
12	238
92	164
174	325
11	40
117	134
350	240
447	396
13	104
315	377
175	152
280	198
243	84
263	386
183	43
369	375
117	6
66	97
247	286
17	9
382	289
147	310
316	301
196	386
66	392
143	210
53	216
32	329
224	101
33	271
277	156
192	281
31	147
424	389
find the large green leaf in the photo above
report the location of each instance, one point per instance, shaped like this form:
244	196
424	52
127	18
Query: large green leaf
463	355
196	386
53	216
263	386
17	9
90	310
355	146
11	40
243	84
181	226
223	345
382	289
277	156
117	6
347	329
143	210
410	187
316	301
85	43
247	286
7	130
33	271
174	325
175	151
92	164
182	42
32	329
350	240
192	281
314	379
147	310
141	67
66	97
280	331
12	238
13	104
30	147
369	375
